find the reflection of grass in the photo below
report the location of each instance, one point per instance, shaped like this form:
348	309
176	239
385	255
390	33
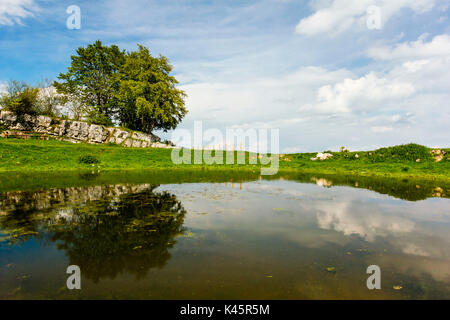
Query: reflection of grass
37	155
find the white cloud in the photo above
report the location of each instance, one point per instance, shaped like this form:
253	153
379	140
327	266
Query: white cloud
362	94
439	46
336	16
14	11
408	102
381	129
251	101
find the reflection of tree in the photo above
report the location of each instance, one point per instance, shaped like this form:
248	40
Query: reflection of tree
411	190
131	232
17	219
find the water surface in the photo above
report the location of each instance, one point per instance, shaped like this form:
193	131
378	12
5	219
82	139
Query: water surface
214	236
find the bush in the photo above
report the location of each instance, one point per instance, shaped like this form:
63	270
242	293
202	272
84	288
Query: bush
95	117
20	99
407	152
88	160
3	128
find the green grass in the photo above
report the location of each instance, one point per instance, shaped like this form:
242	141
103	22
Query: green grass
42	156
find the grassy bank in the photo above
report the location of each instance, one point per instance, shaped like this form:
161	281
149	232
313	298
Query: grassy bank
43	156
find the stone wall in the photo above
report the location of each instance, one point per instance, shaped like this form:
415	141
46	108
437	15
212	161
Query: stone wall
45	200
78	131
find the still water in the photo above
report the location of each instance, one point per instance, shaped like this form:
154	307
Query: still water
291	237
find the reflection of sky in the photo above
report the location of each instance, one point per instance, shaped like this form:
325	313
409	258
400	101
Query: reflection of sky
314	216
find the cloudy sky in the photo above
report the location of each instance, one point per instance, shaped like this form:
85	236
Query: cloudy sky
323	72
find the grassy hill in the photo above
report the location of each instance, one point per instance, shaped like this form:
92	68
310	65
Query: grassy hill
408	161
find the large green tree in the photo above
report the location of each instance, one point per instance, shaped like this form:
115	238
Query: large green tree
93	80
148	98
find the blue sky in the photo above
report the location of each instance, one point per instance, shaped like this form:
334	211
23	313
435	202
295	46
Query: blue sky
312	69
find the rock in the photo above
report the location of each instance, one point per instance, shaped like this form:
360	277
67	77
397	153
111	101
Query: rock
438	192
142	136
63	127
19	127
436	152
78	130
120	136
42	124
97	134
162	145
322	156
136	143
8	116
128	143
438	155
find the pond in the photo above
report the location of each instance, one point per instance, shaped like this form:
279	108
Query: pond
229	235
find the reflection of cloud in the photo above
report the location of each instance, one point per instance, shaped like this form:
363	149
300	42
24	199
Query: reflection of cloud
342	218
415	250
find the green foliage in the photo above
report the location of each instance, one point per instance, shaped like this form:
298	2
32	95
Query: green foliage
105	83
148	98
3	127
99	118
38	156
407	152
131	232
88	159
21	99
93	79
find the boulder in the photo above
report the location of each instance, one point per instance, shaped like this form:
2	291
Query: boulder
63	127
128	143
142	136
438	155
97	134
42	124
78	130
135	143
8	117
322	156
120	136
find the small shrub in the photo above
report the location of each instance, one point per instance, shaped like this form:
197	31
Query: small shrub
3	128
96	117
407	152
88	160
21	99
